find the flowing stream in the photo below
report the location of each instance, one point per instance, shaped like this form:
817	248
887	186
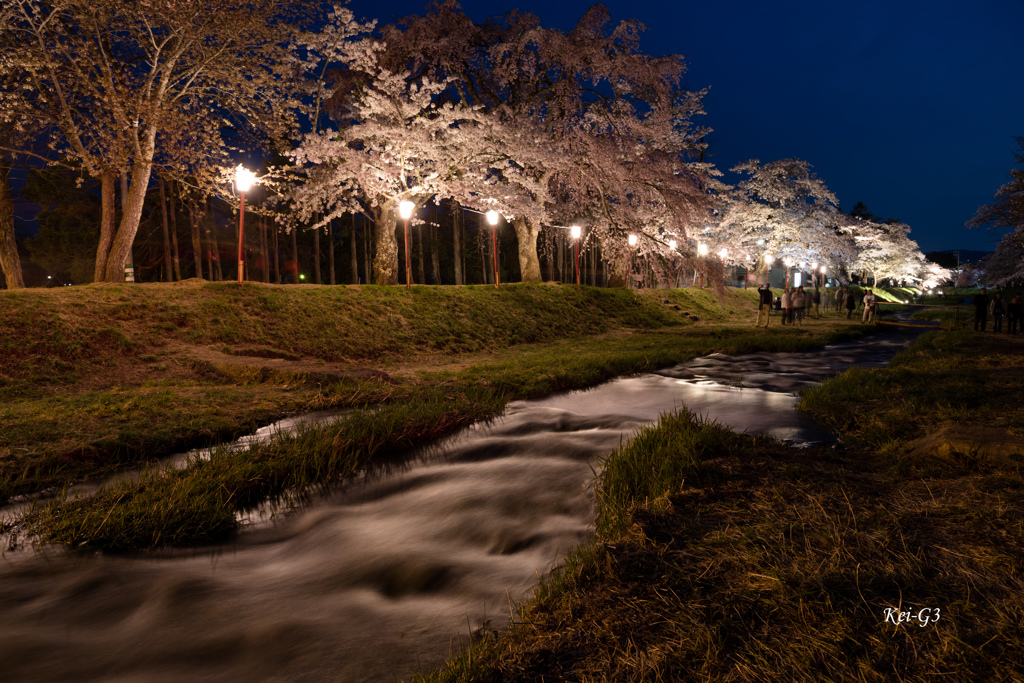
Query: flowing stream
388	574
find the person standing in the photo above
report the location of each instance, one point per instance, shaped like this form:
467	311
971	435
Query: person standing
1014	315
799	301
841	299
981	309
764	306
851	303
786	301
997	310
869	307
817	302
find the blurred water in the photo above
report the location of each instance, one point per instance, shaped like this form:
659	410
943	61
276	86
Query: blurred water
386	575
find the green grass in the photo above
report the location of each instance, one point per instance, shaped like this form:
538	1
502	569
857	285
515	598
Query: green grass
139	516
201	502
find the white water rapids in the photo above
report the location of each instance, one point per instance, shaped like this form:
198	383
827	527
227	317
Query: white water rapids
383	576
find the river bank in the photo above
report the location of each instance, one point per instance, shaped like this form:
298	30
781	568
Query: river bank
895	557
372	577
196	363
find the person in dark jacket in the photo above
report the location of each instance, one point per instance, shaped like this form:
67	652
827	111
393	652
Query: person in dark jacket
851	303
764	306
981	309
1014	315
998	310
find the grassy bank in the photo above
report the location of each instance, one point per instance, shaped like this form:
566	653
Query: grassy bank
728	557
99	377
200	503
199	363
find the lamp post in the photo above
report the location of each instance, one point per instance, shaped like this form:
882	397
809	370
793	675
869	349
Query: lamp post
244	179
823	276
724	254
702	250
789	264
629	275
576	248
768	260
492	218
814	274
405	211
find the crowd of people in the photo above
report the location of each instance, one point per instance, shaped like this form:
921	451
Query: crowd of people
795	304
993	306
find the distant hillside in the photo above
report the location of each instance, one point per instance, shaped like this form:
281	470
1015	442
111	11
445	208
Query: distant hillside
951	257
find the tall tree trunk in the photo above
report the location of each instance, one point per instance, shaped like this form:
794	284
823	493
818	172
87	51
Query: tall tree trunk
457	244
330	250
264	254
295	256
215	265
316	256
419	254
616	269
168	268
125	235
435	257
10	262
549	256
108	219
367	265
174	232
277	252
197	241
355	257
124	210
485	251
526	236
385	262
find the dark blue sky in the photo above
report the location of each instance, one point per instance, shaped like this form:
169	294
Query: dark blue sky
909	107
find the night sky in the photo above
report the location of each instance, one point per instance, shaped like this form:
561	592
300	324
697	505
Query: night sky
909	107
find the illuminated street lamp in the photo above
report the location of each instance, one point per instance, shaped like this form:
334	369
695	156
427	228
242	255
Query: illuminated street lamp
789	264
405	211
814	274
576	245
769	259
492	218
244	178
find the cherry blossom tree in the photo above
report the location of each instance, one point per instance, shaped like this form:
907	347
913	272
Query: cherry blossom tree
1006	212
109	76
781	209
601	132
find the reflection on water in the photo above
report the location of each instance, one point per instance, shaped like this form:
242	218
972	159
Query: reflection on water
380	578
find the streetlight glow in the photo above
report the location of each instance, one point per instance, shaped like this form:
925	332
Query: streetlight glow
575	232
405	211
244	178
724	253
702	249
492	218
671	244
632	240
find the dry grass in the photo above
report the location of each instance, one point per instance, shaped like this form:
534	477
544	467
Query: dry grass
737	558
